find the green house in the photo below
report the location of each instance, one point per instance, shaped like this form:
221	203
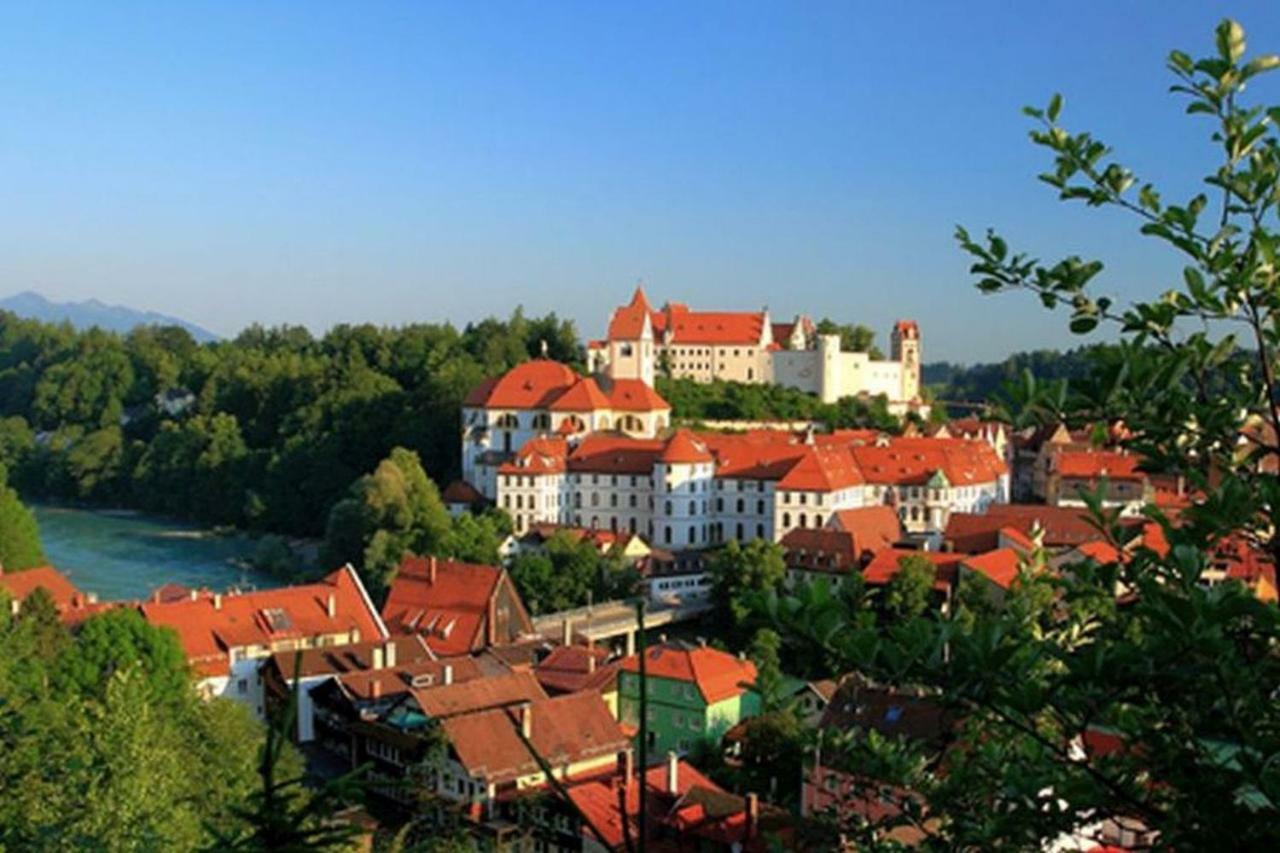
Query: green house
695	694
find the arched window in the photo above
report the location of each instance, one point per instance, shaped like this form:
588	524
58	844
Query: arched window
817	521
631	525
693	507
739	536
719	504
759	507
613	524
542	421
666	535
693	535
801	521
507	421
666	508
742	505
595	498
613	499
574	423
602	422
595	522
786	519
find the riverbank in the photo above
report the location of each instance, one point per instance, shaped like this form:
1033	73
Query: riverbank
124	554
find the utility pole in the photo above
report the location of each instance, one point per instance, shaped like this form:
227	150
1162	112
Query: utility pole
644	723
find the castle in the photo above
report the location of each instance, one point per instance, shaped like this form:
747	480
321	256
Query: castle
746	346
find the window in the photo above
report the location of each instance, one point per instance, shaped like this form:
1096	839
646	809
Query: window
739	531
666	535
242	686
817	520
759	507
801	521
693	507
666	508
613	500
786	519
741	505
632	501
693	535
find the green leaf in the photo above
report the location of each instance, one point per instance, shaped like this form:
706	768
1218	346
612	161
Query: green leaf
1230	38
1083	324
1055	107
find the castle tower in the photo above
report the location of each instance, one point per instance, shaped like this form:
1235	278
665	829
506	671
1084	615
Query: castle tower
631	350
905	349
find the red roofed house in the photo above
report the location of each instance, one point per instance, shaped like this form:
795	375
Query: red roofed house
227	635
695	693
543	398
73	606
1074	472
457	608
746	346
888	562
575	668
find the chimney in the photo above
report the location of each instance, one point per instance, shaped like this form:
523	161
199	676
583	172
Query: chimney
431	569
526	719
448	673
753	814
375	688
625	767
331	606
673	773
566	632
742	656
93	598
14	606
389	654
195	594
377	657
217	601
155	595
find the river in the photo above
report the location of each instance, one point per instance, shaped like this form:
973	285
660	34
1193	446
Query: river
121	555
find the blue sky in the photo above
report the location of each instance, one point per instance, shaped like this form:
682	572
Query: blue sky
392	162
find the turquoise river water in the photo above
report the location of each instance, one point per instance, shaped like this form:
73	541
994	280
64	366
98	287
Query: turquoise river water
121	555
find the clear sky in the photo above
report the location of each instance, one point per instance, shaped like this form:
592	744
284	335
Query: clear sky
324	162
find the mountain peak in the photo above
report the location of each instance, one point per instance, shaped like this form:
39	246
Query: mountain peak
93	312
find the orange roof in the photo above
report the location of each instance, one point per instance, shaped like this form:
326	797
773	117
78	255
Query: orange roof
1020	540
823	469
627	323
541	455
1061	526
612	454
1000	566
683	449
398	680
1096	464
569	669
532	385
887	563
717	674
821	549
872	527
582	396
564	730
635	395
445	600
22	583
914	461
210	625
481	694
715	327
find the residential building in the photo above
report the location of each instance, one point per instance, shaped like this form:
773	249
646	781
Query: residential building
457	608
747	346
577	668
226	636
73	606
1073	474
693	490
694	694
541	399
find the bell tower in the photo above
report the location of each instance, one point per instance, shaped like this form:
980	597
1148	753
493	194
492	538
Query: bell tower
905	349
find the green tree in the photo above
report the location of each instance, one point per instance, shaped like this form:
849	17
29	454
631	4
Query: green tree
1183	677
854	337
119	640
19	533
738	573
910	590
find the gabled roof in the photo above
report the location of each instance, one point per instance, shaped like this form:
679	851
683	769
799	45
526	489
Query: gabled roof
887	563
542	455
564	730
821	550
399	680
22	583
532	385
823	469
635	395
582	396
445	600
210	625
481	694
915	461
569	669
872	527
999	566
356	657
611	454
1060	526
718	675
1096	464
745	328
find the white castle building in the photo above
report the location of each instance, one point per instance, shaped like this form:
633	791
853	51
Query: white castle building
644	342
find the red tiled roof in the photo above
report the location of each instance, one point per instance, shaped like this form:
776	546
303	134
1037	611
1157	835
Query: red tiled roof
210	625
1061	526
714	327
872	527
823	469
564	730
717	674
445	600
481	694
398	680
532	385
1018	539
609	454
887	563
1096	464
635	395
461	492
683	449
821	549
541	455
1000	566
22	583
583	396
569	669
627	323
914	461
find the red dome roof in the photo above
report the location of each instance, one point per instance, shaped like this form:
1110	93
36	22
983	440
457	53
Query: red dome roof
531	385
683	449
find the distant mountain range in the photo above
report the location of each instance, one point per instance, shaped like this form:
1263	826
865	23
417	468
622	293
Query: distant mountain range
91	312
